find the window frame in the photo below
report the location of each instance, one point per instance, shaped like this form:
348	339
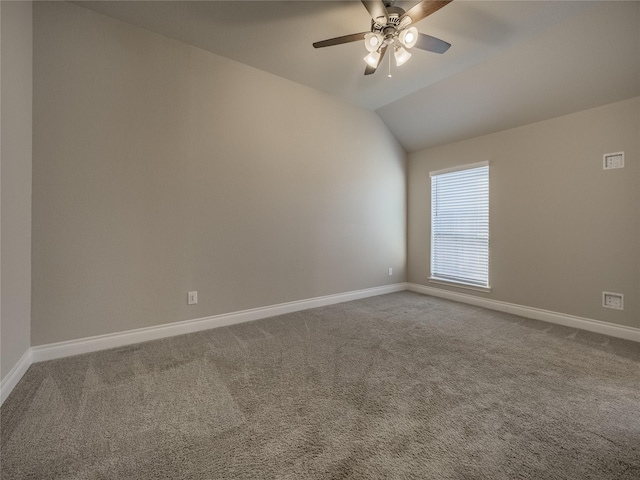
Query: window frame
434	278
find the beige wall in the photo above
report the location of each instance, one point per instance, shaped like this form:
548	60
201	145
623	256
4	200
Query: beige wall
16	98
563	230
160	168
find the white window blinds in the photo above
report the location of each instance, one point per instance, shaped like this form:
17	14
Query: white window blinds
460	225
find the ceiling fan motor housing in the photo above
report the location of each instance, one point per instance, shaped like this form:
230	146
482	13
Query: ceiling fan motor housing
390	30
394	14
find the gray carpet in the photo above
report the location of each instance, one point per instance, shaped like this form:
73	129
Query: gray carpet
400	386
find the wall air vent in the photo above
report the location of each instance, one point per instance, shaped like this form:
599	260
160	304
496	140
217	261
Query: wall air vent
613	160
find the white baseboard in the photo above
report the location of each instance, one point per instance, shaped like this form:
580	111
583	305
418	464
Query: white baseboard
52	351
597	326
101	342
15	374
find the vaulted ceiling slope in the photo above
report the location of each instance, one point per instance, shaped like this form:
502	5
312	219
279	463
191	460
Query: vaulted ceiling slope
511	62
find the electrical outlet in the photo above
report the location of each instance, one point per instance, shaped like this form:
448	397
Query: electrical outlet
613	300
192	298
390	271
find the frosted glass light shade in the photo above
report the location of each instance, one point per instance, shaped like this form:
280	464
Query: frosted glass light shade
372	41
372	59
401	56
409	37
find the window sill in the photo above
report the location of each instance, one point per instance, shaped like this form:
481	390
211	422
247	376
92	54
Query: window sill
465	286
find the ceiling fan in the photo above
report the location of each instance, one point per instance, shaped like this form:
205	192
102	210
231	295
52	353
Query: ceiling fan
391	28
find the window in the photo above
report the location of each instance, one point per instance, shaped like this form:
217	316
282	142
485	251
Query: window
460	225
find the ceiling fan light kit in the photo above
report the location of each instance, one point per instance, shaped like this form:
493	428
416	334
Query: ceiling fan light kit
390	27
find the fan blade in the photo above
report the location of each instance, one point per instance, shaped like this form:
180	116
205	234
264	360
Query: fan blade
424	9
369	70
376	9
431	44
354	37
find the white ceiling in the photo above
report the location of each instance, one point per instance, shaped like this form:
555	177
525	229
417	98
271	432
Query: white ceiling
511	62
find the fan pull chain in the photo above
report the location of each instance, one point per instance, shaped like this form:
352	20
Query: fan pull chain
389	66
